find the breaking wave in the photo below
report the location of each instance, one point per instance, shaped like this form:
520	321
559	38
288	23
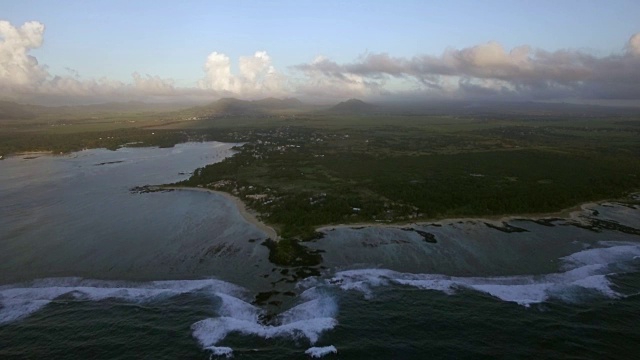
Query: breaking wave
21	300
306	320
587	270
584	271
318	352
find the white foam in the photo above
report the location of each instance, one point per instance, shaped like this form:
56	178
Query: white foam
221	351
585	270
307	320
611	253
21	300
322	307
362	280
237	308
318	352
14	310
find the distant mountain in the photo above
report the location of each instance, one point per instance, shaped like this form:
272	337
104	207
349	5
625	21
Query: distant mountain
273	103
353	106
236	107
228	106
10	110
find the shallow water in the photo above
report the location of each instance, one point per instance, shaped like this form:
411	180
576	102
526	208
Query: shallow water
75	216
90	270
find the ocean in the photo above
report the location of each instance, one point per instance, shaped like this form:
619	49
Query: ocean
91	269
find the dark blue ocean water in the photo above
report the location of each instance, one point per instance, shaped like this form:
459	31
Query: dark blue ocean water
90	270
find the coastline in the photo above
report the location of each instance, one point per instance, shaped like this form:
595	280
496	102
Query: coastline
250	216
247	214
567	213
29	153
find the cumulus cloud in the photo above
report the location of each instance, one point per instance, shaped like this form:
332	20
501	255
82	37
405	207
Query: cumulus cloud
23	78
491	69
17	67
633	46
482	71
219	77
257	76
325	78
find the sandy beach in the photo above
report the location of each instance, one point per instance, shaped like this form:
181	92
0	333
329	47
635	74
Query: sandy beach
30	154
242	207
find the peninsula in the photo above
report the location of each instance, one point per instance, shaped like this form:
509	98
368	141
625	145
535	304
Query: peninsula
299	167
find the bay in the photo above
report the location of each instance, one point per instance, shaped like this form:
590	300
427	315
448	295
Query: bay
89	269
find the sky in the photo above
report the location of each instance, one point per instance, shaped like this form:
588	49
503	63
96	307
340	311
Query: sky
75	52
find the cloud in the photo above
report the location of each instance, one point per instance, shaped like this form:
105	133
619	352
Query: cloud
325	78
492	70
17	67
23	78
257	76
219	77
633	46
482	71
153	85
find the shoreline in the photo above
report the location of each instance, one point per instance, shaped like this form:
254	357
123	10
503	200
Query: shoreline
247	214
250	216
29	153
567	213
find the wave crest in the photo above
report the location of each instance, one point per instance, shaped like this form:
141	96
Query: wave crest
584	270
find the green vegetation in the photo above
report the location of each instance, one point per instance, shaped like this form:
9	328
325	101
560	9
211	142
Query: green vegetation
15	142
339	169
288	252
303	169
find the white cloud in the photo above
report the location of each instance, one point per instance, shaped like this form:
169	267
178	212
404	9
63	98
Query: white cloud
218	70
153	85
256	66
257	76
490	69
22	78
17	67
484	70
326	79
633	46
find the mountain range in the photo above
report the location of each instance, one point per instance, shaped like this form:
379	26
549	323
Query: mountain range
290	106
